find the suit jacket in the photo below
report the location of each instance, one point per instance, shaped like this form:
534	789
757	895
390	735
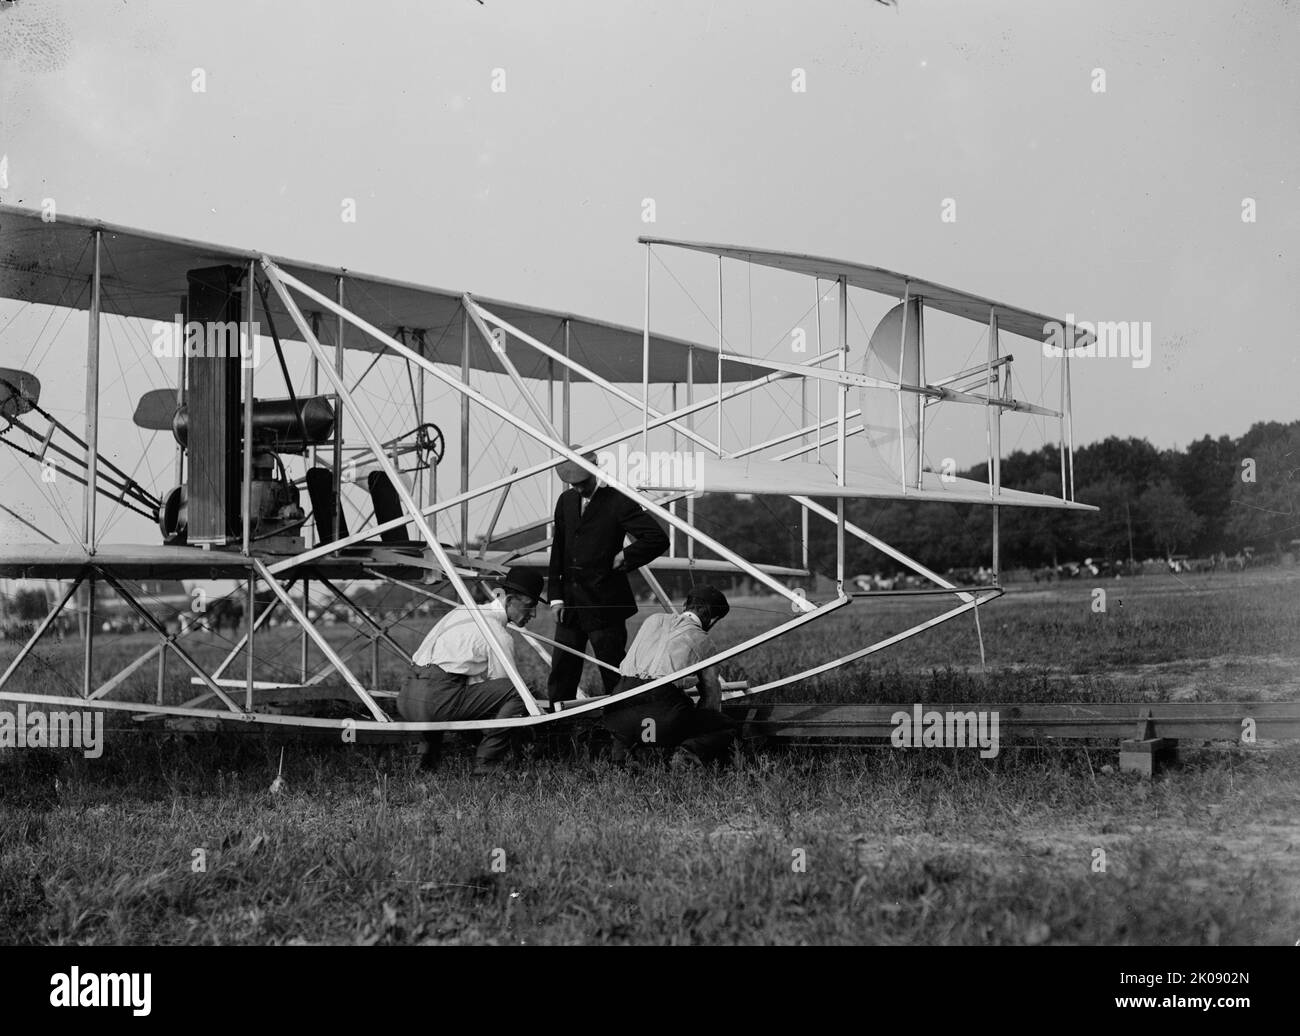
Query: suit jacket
582	556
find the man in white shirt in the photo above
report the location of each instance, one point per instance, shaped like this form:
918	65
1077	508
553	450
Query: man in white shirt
457	676
665	717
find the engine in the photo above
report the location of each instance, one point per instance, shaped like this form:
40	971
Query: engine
207	509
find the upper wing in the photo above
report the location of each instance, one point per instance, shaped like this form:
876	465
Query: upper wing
1014	319
143	275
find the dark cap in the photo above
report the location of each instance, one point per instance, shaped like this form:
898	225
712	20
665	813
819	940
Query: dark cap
572	473
709	598
525	582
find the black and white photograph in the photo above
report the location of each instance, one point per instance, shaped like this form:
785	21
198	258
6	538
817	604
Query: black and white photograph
486	473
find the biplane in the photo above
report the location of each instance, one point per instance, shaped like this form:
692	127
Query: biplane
291	475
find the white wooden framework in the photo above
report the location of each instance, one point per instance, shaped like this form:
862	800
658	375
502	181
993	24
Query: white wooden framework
811	463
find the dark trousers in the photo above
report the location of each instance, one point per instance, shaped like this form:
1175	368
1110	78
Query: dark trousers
608	644
666	718
431	695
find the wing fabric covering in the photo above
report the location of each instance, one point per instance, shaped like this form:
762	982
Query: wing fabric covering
143	275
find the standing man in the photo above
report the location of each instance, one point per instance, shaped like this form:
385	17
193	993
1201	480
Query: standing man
456	675
590	594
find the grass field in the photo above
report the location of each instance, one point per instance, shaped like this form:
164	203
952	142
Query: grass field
789	845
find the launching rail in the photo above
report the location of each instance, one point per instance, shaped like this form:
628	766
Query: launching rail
1204	721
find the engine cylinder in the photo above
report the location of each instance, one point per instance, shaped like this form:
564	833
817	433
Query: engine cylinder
275	424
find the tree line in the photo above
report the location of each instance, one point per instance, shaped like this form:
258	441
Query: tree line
1217	495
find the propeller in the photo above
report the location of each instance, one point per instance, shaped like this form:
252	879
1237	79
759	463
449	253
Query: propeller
156	409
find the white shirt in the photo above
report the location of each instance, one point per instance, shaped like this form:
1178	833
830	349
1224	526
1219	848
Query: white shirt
456	645
665	644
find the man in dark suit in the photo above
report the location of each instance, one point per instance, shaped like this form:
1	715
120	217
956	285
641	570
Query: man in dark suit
588	588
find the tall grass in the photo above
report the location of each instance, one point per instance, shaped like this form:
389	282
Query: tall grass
895	846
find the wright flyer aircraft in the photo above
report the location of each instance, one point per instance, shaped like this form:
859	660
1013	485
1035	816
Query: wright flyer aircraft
299	479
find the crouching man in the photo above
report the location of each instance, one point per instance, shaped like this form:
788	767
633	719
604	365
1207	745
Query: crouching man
665	717
456	676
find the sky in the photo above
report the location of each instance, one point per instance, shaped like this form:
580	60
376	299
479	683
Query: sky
1122	204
